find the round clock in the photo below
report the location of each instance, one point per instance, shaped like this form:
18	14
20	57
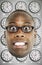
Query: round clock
6	56
3	40
34	7
3	21
6	6
37	22
38	40
21	5
35	55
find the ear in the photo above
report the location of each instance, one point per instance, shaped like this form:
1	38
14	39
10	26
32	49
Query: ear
5	34
35	34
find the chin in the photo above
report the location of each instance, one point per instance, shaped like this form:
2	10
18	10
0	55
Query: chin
19	55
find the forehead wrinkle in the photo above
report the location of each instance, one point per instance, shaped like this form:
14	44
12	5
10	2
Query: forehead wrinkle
21	22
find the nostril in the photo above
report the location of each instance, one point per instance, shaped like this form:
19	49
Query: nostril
22	36
17	36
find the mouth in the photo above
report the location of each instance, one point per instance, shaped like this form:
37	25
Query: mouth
19	44
19	49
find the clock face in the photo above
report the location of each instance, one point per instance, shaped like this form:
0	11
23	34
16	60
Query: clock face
6	56
3	21
35	55
38	40
3	40
37	22
21	5
34	7
6	6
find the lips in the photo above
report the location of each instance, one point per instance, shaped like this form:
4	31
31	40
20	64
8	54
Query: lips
19	44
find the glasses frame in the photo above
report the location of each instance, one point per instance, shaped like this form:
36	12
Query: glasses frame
19	28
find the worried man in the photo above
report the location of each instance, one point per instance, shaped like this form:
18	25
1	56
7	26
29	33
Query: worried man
20	33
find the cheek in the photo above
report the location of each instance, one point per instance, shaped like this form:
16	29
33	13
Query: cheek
9	37
30	37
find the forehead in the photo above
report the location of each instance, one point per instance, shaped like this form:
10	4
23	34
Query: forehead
20	17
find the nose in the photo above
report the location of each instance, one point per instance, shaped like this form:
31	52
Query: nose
20	34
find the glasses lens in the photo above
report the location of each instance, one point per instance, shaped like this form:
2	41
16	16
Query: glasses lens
27	29
12	28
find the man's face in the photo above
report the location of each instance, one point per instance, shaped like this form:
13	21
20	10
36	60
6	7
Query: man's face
20	41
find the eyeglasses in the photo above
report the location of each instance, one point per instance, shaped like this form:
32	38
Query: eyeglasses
14	29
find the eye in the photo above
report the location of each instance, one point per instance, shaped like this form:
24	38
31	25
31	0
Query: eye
27	28
12	29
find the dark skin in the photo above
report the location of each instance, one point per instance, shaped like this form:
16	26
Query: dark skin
20	19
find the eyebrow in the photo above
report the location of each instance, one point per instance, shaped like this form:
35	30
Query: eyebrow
11	22
27	22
